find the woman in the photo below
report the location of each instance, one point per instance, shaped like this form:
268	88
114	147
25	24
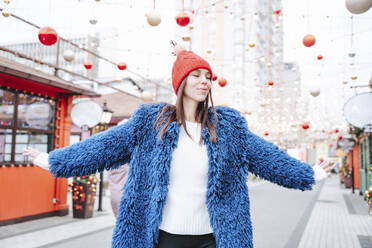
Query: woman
188	166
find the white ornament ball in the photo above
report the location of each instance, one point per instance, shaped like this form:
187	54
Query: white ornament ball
358	6
315	92
153	18
69	55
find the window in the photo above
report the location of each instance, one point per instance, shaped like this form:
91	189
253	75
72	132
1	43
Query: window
25	121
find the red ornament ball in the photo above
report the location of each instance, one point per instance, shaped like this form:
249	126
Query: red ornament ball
320	57
270	83
182	19
122	66
339	137
214	77
336	130
48	36
309	40
305	126
266	133
88	65
222	82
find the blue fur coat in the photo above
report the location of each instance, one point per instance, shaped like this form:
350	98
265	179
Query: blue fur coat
237	152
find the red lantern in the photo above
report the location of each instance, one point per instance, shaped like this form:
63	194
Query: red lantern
266	133
48	36
270	83
182	19
214	77
320	57
222	82
305	126
88	65
277	12
309	40
122	66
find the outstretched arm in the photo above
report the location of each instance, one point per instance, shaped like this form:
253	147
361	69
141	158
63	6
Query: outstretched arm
105	150
266	160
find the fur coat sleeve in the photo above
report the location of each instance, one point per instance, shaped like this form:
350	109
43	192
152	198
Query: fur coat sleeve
105	150
268	161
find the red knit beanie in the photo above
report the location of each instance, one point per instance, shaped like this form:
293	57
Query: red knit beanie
185	63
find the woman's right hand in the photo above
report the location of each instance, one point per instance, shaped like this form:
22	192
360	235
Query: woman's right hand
32	153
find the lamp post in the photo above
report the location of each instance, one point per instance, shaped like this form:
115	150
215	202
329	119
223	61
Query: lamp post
105	119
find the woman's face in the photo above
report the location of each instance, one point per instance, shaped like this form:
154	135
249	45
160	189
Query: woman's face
198	85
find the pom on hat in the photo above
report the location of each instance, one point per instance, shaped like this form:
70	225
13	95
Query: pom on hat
177	48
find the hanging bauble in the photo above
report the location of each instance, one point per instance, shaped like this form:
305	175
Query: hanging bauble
186	38
93	21
242	18
336	130
320	57
222	82
191	27
354	77
6	1
48	36
309	40
88	65
358	6
315	92
153	18
214	77
69	55
266	133
209	51
305	126
351	54
345	82
251	44
182	19
339	137
277	25
270	83
122	66
146	96
5	13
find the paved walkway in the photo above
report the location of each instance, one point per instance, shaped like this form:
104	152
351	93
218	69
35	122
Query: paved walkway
327	217
339	219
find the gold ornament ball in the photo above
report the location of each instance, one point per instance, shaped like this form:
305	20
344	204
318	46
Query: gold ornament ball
354	77
277	25
6	1
251	45
6	14
345	82
186	38
191	27
242	18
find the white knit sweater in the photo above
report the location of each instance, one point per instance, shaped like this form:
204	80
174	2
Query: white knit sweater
185	210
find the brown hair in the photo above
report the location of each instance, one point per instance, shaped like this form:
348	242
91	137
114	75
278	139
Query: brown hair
171	113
